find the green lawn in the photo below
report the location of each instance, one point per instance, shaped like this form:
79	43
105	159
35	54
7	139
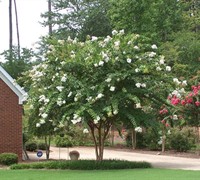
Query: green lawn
142	174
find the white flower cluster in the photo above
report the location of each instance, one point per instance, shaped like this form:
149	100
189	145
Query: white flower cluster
42	98
175	117
136	47
138	105
129	60
139	85
162	63
137	70
61	42
76	119
36	75
115	32
112	88
105	56
72	54
101	63
60	88
89	99
85	131
70	94
97	120
64	78
138	129
154	46
44	115
162	60
42	121
105	41
115	112
116	45
178	92
94	38
60	102
99	96
108	80
152	54
77	96
177	82
168	68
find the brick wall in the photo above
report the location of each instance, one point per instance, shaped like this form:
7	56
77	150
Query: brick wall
10	121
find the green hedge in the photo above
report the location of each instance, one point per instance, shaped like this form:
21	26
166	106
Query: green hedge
8	158
84	165
31	146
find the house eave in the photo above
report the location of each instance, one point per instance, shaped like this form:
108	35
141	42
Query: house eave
13	85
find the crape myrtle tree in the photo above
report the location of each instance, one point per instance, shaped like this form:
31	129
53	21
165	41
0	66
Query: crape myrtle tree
97	83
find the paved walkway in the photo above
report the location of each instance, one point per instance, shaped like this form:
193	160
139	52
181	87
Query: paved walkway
157	161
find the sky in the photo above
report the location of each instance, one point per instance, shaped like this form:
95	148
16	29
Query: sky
29	27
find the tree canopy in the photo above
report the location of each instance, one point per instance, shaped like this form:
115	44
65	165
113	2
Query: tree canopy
98	83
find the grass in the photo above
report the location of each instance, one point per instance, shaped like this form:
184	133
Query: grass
139	174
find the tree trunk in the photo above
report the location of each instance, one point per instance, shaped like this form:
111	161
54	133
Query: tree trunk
163	139
50	18
47	144
112	135
10	30
26	157
17	27
133	133
99	137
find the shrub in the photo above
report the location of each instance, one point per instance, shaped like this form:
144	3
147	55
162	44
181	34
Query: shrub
147	139
84	165
182	140
65	141
8	158
79	138
140	141
31	146
42	146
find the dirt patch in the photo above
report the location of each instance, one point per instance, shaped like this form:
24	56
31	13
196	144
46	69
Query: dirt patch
3	167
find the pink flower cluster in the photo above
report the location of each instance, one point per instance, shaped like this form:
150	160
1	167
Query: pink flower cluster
163	111
191	98
165	123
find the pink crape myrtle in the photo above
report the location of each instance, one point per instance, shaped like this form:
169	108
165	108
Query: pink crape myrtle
191	98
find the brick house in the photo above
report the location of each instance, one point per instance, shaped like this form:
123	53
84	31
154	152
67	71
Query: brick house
11	100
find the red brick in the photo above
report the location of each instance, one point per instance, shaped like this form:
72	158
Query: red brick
10	121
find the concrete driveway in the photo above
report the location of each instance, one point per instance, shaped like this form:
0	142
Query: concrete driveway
157	161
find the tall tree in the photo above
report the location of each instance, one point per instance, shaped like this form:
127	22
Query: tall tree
153	18
79	18
17	28
10	29
50	18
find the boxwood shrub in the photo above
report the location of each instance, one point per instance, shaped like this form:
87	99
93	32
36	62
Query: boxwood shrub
31	146
42	146
84	165
8	158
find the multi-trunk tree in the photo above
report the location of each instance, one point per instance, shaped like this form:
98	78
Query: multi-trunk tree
97	83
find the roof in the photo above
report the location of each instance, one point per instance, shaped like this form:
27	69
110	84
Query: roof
13	85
